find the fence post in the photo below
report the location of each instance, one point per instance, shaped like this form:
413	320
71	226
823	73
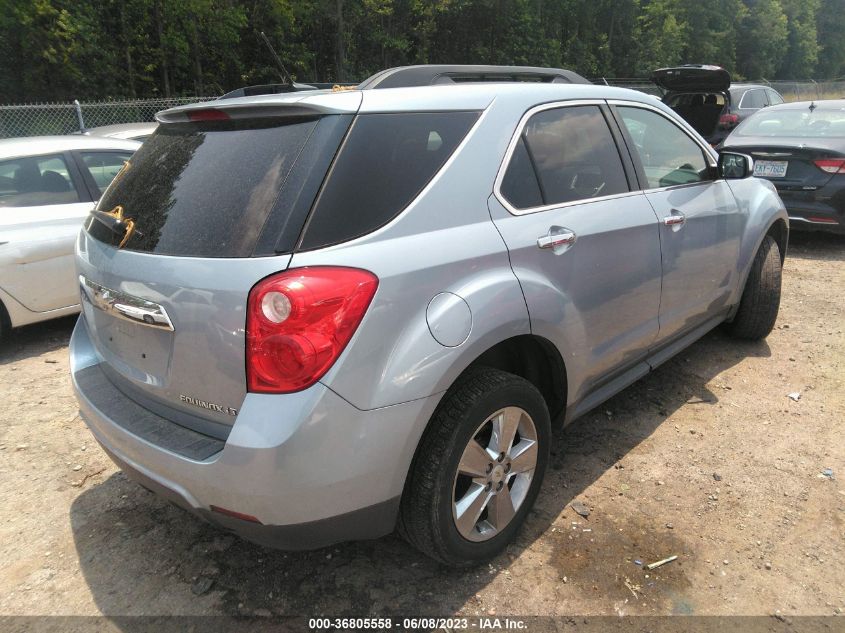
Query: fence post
79	115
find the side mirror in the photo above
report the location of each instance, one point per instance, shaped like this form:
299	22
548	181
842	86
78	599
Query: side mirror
735	166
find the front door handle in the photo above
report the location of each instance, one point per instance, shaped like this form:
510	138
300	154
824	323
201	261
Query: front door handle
556	237
675	219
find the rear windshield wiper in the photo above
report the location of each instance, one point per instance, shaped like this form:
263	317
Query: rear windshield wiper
114	221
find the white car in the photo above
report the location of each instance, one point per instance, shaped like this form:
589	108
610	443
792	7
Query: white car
48	185
133	131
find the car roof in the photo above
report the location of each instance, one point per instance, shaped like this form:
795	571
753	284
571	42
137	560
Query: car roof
749	87
462	96
120	130
37	145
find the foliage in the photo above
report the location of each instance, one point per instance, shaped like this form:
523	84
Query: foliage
53	50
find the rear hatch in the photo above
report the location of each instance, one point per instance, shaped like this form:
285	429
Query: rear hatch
698	93
692	78
211	203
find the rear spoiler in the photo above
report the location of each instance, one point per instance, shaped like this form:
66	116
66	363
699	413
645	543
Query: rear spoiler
299	104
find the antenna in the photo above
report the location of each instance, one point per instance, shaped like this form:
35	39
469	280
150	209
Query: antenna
813	105
284	74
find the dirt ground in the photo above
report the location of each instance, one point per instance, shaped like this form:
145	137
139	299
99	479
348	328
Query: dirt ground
706	459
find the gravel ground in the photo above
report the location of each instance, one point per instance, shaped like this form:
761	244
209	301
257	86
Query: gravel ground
706	459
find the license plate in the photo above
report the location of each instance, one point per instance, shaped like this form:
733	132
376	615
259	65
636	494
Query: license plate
770	168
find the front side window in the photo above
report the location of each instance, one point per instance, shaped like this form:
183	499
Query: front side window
36	181
573	155
104	166
668	155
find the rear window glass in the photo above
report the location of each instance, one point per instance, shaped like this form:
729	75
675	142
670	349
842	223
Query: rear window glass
795	123
385	161
203	189
36	181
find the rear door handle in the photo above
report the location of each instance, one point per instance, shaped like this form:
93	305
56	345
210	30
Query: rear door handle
675	219
556	237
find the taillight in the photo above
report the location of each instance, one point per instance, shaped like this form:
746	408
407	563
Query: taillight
831	165
728	120
207	114
299	321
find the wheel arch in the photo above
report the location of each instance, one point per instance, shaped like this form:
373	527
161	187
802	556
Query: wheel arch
533	358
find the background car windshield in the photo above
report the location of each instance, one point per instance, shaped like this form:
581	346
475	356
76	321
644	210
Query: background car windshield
36	181
818	123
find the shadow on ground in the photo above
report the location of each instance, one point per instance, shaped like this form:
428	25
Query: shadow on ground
816	245
139	554
36	339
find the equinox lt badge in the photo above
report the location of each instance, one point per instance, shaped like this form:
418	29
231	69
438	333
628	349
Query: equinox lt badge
207	405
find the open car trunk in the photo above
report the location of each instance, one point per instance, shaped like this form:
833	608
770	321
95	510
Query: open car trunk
698	93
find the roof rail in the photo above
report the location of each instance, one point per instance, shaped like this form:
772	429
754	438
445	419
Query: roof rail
427	75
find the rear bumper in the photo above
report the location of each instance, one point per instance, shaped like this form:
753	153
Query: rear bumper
820	210
311	468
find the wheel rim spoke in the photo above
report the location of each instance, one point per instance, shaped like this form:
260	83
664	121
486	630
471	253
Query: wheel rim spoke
475	460
470	507
501	509
524	457
504	430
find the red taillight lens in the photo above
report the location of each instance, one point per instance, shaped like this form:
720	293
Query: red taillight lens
831	165
207	114
729	120
298	323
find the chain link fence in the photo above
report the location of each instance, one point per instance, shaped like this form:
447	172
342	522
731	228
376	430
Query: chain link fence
37	119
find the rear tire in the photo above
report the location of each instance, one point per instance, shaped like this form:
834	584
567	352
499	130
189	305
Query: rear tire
758	308
461	512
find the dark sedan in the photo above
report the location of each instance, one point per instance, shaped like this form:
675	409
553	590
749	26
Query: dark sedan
800	147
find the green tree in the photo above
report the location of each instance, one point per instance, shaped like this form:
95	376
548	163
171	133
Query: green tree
762	40
830	26
802	43
661	33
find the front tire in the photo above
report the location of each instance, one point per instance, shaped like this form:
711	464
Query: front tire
758	308
478	469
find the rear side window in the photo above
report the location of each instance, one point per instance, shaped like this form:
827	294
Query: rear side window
204	189
520	185
753	99
384	163
36	181
575	158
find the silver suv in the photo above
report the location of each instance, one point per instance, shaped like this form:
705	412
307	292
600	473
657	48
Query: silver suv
314	317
